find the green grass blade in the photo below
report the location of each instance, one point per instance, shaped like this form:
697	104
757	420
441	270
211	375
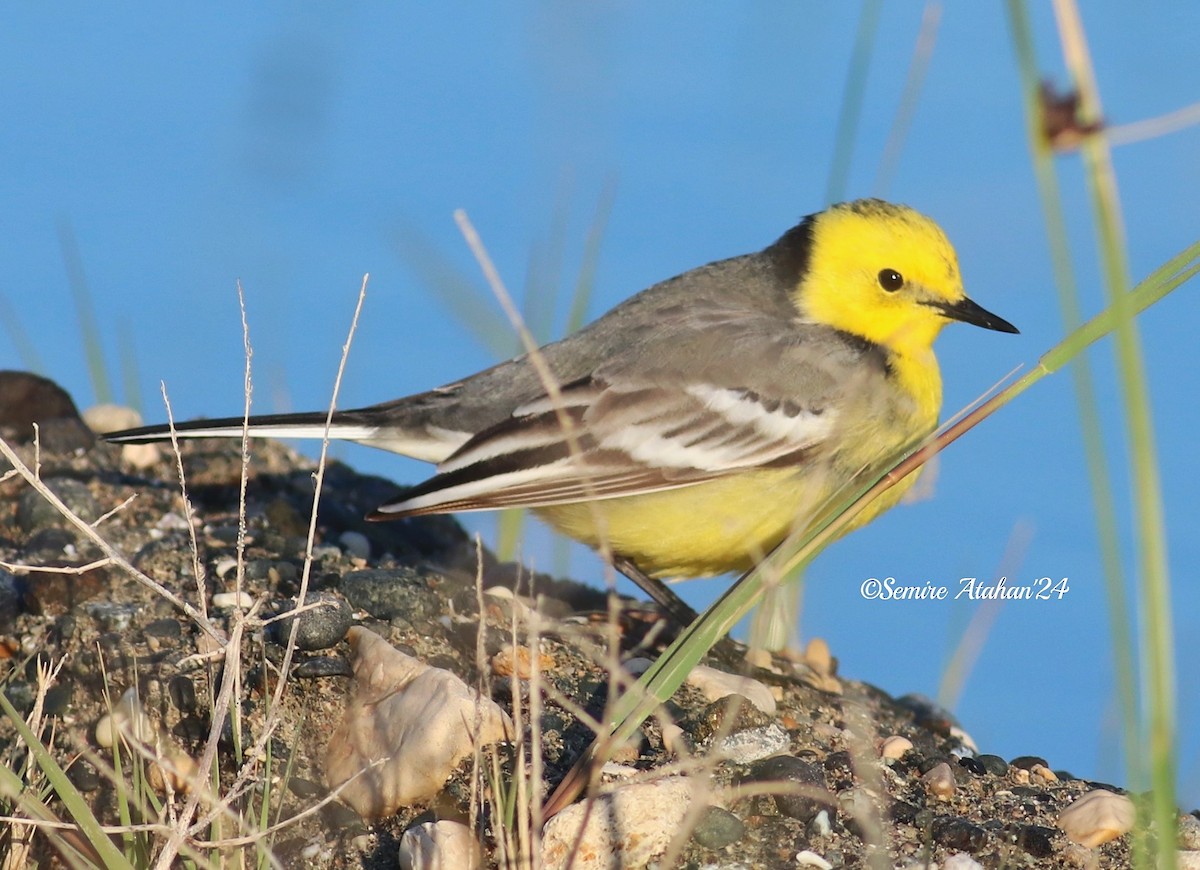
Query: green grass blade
1103	499
85	309
26	349
127	354
910	98
1157	632
72	800
586	281
852	101
457	291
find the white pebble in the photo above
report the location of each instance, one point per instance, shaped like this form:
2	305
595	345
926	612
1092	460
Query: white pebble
629	826
961	861
111	418
127	718
676	741
171	522
715	685
230	600
820	825
443	845
421	720
894	747
752	744
809	858
355	544
1097	817
141	456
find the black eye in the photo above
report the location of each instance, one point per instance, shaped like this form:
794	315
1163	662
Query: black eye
890	280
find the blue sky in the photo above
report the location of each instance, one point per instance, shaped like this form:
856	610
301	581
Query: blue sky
297	148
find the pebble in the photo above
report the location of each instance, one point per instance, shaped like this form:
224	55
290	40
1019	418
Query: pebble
939	781
1046	774
928	713
83	776
20	695
10	598
1189	832
64	628
49	543
718	828
519	660
1097	817
715	685
177	769
754	743
305	789
58	699
323	666
613	771
676	740
722	718
172	522
973	764
965	747
385	593
961	861
141	456
808	794
318	628
820	826
34	512
355	544
1028	762
629	826
420	721
230	600
164	628
182	693
1037	840
112	616
636	666
809	858
128	717
960	834
276	572
894	747
341	818
53	593
818	657
993	764
110	417
441	845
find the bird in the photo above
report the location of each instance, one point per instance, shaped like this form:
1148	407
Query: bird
691	428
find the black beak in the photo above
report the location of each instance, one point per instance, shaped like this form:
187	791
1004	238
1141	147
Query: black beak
969	311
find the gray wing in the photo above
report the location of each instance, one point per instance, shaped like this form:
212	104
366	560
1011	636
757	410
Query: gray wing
764	393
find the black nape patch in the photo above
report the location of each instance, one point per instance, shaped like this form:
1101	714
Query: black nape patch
792	252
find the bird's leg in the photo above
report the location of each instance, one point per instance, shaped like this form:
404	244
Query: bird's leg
657	590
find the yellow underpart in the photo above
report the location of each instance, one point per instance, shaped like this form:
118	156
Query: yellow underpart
710	528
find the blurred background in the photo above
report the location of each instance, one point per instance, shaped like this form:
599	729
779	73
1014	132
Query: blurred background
158	156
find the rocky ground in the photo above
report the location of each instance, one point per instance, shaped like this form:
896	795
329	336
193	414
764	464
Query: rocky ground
796	766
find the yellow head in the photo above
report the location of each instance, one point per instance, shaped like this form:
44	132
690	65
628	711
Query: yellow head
887	274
